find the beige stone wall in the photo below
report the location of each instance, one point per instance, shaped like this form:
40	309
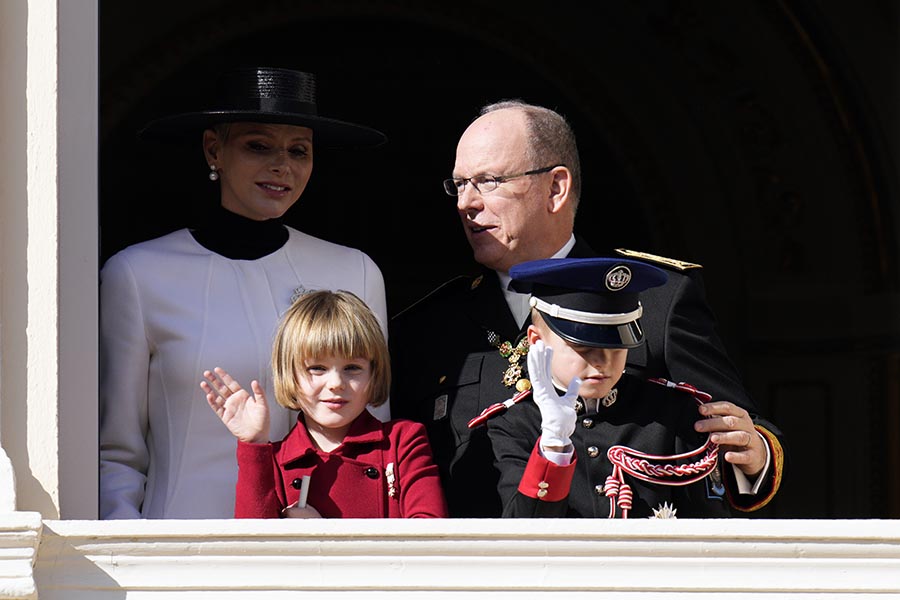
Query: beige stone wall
48	255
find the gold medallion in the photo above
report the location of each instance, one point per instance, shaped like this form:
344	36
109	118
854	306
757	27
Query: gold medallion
514	354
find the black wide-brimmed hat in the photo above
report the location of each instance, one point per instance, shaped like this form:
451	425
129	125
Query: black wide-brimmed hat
264	95
589	301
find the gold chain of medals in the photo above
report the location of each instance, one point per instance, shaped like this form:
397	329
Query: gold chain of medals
515	354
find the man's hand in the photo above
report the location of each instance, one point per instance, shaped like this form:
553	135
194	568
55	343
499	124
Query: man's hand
557	412
732	428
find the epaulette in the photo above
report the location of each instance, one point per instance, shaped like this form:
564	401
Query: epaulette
451	285
674	263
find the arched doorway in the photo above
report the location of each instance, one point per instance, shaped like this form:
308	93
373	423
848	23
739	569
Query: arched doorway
733	136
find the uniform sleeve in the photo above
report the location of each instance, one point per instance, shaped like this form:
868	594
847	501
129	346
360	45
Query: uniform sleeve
256	495
416	476
772	478
530	485
694	353
124	366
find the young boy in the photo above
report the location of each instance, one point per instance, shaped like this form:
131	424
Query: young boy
613	445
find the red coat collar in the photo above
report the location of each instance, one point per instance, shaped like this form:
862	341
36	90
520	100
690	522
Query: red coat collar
366	429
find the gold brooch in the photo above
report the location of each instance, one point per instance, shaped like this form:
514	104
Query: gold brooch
515	354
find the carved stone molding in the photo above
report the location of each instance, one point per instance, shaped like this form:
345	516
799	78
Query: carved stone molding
20	535
589	558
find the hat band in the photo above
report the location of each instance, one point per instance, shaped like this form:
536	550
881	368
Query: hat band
275	105
555	310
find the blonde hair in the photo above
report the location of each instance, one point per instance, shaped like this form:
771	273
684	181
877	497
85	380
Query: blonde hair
326	323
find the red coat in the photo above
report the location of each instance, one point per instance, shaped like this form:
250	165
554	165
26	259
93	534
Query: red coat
350	482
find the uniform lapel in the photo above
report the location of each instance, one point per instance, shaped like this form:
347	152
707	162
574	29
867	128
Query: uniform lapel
488	306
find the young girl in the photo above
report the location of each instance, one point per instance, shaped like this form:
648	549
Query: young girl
329	360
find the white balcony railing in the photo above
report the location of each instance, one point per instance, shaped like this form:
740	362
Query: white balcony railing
646	559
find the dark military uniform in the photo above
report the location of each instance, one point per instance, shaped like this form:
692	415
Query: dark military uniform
645	416
447	369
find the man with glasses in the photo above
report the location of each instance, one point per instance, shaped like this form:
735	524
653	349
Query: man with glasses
461	349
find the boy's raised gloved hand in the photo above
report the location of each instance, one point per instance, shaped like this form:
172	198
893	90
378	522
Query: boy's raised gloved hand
557	412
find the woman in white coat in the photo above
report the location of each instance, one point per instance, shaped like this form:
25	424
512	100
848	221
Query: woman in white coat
171	306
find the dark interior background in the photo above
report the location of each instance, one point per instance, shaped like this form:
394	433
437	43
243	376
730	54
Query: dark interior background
759	139
416	81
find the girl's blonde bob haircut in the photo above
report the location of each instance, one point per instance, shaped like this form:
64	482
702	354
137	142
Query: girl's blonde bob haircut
326	323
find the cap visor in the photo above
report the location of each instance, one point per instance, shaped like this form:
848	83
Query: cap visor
626	335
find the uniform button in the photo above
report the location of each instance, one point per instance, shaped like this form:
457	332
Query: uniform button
598	489
372	473
587	423
541	493
593	451
297	483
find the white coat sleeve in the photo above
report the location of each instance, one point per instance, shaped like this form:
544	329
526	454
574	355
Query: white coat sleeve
124	367
377	301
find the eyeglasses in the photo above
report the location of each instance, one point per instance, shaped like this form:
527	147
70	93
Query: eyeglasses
485	184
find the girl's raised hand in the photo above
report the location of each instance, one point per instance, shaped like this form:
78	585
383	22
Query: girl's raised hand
245	415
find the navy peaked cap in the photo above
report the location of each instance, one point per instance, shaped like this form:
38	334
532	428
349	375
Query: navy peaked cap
589	301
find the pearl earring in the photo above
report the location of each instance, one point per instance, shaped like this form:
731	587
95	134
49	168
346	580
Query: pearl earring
213	176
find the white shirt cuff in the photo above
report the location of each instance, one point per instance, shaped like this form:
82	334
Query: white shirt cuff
562	459
743	482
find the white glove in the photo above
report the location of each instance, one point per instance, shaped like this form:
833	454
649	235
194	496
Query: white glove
557	412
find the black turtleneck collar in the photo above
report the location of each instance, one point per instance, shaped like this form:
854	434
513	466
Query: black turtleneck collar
239	238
